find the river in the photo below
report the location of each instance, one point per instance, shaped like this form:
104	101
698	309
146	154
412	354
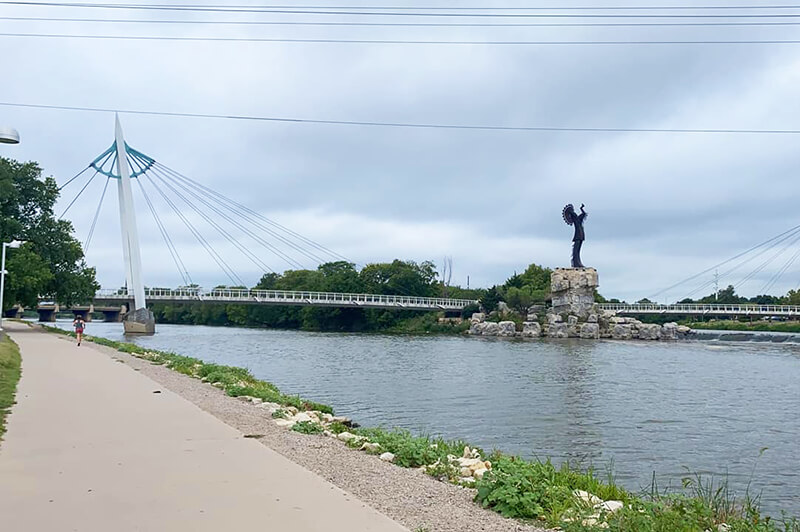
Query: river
668	408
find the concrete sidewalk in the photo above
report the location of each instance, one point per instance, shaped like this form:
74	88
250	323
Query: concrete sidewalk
91	447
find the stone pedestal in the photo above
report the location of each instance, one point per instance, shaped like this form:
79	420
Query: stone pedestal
573	291
140	321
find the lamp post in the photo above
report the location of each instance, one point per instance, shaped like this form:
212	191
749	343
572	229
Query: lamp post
9	135
12	244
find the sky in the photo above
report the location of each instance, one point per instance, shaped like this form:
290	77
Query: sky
662	206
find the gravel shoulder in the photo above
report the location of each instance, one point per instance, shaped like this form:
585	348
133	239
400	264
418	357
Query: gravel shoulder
407	495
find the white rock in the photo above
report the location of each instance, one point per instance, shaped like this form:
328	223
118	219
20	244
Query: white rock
387	457
478	317
590	330
531	329
467	480
469	462
256	400
466	472
288	423
478	473
587	497
610	506
370	447
467	452
345	436
245	398
507	328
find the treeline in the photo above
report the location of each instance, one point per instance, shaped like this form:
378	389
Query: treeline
50	263
728	296
399	277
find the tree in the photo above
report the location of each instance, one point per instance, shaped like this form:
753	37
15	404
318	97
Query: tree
490	299
52	262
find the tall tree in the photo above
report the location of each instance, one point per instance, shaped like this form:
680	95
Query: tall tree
51	263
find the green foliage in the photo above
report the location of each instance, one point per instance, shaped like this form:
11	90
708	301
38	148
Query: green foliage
765	326
397	277
280	414
307	427
538	490
491	298
10	371
410	450
51	263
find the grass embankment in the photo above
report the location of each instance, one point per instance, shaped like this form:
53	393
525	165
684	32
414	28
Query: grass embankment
10	371
514	487
762	326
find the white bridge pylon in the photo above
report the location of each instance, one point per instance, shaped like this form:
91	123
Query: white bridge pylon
127	220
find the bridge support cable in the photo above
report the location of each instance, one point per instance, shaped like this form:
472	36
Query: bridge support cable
226	269
764	249
78	195
250	216
143	166
776	277
258	217
230	238
73	178
227	217
767	262
187	280
96	214
790	232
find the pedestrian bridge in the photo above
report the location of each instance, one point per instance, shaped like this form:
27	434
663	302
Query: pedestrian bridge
285	297
716	310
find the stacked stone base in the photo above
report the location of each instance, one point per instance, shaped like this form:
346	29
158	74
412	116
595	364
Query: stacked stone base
574	314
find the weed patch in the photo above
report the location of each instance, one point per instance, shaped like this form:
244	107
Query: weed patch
10	371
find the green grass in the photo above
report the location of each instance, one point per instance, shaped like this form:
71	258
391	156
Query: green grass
10	371
764	326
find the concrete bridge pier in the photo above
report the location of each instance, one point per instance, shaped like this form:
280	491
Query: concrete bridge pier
112	314
14	312
84	312
47	313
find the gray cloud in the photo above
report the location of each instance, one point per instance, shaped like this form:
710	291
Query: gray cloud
663	206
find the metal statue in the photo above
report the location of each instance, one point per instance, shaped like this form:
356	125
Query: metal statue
575	219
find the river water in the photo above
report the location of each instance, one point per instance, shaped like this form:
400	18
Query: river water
668	408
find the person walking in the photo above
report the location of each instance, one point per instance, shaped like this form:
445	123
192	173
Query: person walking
79	325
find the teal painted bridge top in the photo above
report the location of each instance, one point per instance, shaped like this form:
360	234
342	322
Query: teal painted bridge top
105	163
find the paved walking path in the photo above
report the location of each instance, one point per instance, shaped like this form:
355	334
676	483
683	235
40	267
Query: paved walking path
91	447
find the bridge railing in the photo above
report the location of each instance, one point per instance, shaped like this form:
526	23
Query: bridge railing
697	308
287	296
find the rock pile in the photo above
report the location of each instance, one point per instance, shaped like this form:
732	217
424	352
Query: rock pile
574	314
470	466
597	506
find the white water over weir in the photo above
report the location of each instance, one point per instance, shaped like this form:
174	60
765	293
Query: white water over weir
285	297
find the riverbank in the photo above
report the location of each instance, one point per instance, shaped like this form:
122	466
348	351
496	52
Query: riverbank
756	326
10	371
547	492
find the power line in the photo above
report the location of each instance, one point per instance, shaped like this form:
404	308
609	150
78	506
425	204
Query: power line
378	11
411	124
672	7
406	24
387	41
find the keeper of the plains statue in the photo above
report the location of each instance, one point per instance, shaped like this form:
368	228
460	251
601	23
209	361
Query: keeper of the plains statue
576	220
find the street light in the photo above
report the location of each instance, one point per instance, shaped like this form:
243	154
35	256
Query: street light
9	135
12	244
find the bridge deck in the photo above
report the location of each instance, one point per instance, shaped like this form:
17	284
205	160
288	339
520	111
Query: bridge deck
287	297
784	311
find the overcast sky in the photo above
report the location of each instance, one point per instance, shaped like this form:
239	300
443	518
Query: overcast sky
663	206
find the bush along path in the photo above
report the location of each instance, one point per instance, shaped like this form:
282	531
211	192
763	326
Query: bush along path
10	371
563	497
